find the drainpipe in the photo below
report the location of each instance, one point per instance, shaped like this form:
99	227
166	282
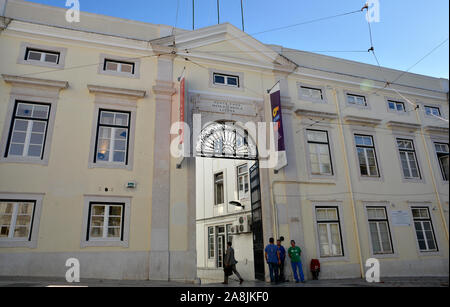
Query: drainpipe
3	11
349	182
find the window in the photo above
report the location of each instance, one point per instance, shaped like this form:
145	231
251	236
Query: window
396	106
211	248
310	92
433	111
379	230
112	137
243	184
118	66
408	158
223	79
220	241
366	155
105	221
329	231
42	56
424	229
319	152
16	219
28	130
442	155
218	189
229	233
356	100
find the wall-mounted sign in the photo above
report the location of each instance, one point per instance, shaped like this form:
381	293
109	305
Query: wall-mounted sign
400	218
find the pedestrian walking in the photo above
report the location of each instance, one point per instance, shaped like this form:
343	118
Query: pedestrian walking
272	255
229	264
282	251
294	253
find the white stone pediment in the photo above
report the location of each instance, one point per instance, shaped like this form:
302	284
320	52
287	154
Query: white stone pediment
226	43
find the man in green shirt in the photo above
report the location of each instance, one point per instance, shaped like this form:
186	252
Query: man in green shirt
294	253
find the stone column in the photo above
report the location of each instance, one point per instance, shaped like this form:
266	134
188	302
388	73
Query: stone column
159	262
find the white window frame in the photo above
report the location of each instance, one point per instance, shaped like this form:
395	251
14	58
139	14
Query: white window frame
238	75
209	236
114	128
106	242
329	147
226	77
136	61
436	142
328	223
425	107
23	53
31	241
4	144
350	93
414	152
377	221
365	156
245	195
432	224
106	217
301	96
131	137
29	131
223	188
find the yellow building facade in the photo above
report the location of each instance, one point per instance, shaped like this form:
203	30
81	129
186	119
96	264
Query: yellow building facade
86	170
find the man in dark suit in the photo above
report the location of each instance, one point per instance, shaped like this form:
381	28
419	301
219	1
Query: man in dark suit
229	262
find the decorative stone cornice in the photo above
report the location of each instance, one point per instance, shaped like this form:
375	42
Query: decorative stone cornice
26	81
130	93
402	125
164	88
313	113
436	129
360	120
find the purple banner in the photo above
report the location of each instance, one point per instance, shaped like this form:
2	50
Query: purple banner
275	101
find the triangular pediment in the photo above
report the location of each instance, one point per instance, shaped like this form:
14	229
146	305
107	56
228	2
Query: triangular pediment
226	43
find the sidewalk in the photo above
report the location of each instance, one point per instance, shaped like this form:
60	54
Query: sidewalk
385	282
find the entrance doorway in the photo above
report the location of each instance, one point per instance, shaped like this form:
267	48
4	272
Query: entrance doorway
228	202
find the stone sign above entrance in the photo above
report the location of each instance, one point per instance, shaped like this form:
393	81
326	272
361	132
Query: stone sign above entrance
227	105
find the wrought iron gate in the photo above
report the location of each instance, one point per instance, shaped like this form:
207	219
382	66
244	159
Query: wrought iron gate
257	226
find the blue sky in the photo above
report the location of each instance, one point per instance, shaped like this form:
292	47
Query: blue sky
408	29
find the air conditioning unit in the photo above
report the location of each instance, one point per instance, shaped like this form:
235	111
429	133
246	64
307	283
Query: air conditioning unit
244	223
234	229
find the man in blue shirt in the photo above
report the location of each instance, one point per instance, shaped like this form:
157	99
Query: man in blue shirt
282	258
272	255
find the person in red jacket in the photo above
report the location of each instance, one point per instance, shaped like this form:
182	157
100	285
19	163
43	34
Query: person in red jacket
315	268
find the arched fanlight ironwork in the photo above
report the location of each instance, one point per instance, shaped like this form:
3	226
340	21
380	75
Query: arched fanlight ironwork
227	141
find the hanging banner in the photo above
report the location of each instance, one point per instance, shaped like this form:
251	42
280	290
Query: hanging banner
277	118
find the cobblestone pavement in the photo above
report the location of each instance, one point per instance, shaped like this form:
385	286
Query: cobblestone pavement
385	282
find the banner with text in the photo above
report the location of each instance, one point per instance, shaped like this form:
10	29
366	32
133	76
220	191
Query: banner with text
277	118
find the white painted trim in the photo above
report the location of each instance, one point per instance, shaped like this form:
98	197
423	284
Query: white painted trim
125	223
240	76
410	137
37	210
61	59
131	136
434	224
356	130
345	250
310	99
135	61
7	128
387	207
